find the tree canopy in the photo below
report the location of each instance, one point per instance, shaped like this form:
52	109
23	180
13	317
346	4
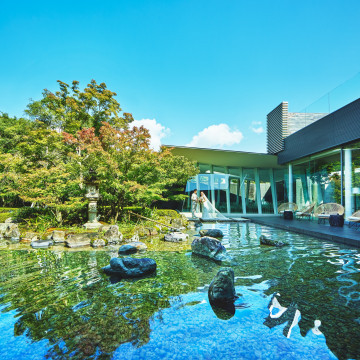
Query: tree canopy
73	135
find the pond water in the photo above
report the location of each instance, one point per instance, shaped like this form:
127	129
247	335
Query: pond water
57	304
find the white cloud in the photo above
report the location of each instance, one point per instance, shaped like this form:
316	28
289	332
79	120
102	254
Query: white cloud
256	123
216	136
157	131
258	130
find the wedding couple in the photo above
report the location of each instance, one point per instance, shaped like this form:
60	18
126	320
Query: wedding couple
207	208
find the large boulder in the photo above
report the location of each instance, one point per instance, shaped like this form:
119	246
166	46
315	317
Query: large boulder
29	237
270	242
80	240
127	249
58	236
9	231
210	248
130	267
41	244
113	236
222	287
98	243
175	236
215	233
140	246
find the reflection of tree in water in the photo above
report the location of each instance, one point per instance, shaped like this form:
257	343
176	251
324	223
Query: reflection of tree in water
78	310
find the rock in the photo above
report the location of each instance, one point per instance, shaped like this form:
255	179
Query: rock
79	240
222	289
134	238
153	231
142	232
210	248
138	245
175	236
270	242
11	232
58	236
104	228
130	267
127	249
98	243
9	220
215	233
113	236
30	237
39	244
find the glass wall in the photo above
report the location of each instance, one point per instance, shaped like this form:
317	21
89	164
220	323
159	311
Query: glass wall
266	195
318	180
238	190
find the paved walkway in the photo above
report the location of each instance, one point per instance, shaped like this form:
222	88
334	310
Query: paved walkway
344	235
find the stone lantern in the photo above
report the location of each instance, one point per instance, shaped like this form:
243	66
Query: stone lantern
92	193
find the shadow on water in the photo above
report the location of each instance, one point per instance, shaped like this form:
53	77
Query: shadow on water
68	308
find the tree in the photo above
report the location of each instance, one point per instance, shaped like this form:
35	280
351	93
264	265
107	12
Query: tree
70	109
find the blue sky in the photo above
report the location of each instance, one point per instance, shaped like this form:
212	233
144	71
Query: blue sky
206	72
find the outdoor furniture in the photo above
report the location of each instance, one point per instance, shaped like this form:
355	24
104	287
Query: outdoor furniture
306	212
287	207
323	211
336	220
354	219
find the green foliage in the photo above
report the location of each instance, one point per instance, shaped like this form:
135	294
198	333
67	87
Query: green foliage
4	216
71	110
49	169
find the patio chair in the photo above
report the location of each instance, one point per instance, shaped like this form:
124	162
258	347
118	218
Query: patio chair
306	212
323	211
354	219
287	207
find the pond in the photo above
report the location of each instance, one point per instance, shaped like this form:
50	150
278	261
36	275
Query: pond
57	304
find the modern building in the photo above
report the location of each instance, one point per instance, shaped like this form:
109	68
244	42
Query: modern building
317	163
281	124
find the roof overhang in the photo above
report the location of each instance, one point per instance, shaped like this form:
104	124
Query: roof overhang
227	157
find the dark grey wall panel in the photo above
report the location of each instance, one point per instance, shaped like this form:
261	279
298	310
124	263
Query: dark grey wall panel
338	128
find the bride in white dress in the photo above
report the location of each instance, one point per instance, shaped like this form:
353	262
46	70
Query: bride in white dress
208	210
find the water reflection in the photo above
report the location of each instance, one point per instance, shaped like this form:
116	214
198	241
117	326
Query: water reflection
63	303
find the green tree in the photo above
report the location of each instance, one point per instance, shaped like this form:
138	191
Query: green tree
70	109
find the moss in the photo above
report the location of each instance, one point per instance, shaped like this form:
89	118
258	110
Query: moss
4	216
167	213
7	210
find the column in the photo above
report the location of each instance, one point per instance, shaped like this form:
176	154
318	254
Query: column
347	182
290	187
258	194
242	190
198	191
228	209
212	185
273	190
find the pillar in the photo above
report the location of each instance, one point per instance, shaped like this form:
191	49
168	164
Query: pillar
273	190
290	187
258	193
228	209
242	190
347	182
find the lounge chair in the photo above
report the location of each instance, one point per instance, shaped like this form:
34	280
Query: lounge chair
287	207
306	212
323	211
354	219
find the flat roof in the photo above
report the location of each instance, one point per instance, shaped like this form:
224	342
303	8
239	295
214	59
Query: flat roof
339	128
227	157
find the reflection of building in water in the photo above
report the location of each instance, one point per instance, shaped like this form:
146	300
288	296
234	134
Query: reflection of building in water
279	314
